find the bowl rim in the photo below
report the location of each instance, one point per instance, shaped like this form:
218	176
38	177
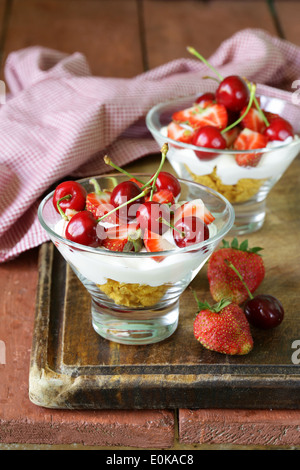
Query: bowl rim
155	131
101	251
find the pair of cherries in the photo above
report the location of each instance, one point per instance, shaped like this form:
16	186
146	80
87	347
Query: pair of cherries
233	93
82	228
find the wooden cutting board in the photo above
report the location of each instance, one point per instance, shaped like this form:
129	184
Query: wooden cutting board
72	367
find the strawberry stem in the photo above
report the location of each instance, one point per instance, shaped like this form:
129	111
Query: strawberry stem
252	95
109	162
216	308
231	265
193	51
67	197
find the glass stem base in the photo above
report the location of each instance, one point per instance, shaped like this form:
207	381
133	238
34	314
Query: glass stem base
135	327
249	217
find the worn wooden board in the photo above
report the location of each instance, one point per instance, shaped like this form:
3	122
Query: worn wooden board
72	367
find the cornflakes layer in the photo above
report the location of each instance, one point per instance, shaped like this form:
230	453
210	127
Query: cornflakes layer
242	191
132	295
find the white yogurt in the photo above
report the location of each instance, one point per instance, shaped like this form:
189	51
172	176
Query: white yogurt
271	164
133	269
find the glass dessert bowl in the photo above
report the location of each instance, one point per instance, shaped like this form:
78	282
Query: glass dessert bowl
243	177
135	291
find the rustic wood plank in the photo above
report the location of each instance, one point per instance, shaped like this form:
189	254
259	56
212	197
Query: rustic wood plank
82	370
172	26
105	32
288	15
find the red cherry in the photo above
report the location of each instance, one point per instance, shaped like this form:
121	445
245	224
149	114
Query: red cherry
205	99
82	229
123	193
75	190
233	93
149	215
279	129
190	230
209	137
264	311
166	180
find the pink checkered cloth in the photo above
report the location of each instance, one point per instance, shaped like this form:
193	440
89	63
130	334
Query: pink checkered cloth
60	121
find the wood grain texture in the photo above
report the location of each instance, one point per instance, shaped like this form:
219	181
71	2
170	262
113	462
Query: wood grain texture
82	370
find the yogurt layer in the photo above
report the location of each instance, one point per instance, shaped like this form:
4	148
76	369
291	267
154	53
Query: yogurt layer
271	165
133	268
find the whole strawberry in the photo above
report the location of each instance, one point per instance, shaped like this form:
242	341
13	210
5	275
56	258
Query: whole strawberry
223	328
224	282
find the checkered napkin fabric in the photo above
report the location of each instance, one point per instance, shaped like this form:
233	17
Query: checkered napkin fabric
59	120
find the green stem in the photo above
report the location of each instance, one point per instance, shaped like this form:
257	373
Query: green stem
121	170
262	114
67	197
96	186
199	56
164	151
240	277
142	194
252	94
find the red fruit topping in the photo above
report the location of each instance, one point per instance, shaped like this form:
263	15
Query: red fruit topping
167	181
164	196
93	201
249	140
209	137
206	99
151	215
194	208
179	133
279	129
155	243
232	93
77	195
253	120
121	237
190	231
123	193
214	115
82	229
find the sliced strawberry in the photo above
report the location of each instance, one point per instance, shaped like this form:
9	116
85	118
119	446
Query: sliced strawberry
194	208
213	115
163	196
137	182
249	140
93	201
179	133
121	235
104	209
155	243
231	135
253	120
70	212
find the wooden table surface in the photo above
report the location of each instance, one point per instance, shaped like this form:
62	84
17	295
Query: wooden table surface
123	38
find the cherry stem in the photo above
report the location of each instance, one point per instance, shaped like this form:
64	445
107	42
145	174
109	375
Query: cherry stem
67	197
108	161
199	56
252	94
240	277
164	221
262	114
145	188
164	151
96	186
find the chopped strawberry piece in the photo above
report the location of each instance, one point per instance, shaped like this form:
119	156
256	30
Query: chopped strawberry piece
253	120
213	115
194	208
94	200
119	236
179	133
70	212
137	182
249	140
231	135
163	196
155	243
105	208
